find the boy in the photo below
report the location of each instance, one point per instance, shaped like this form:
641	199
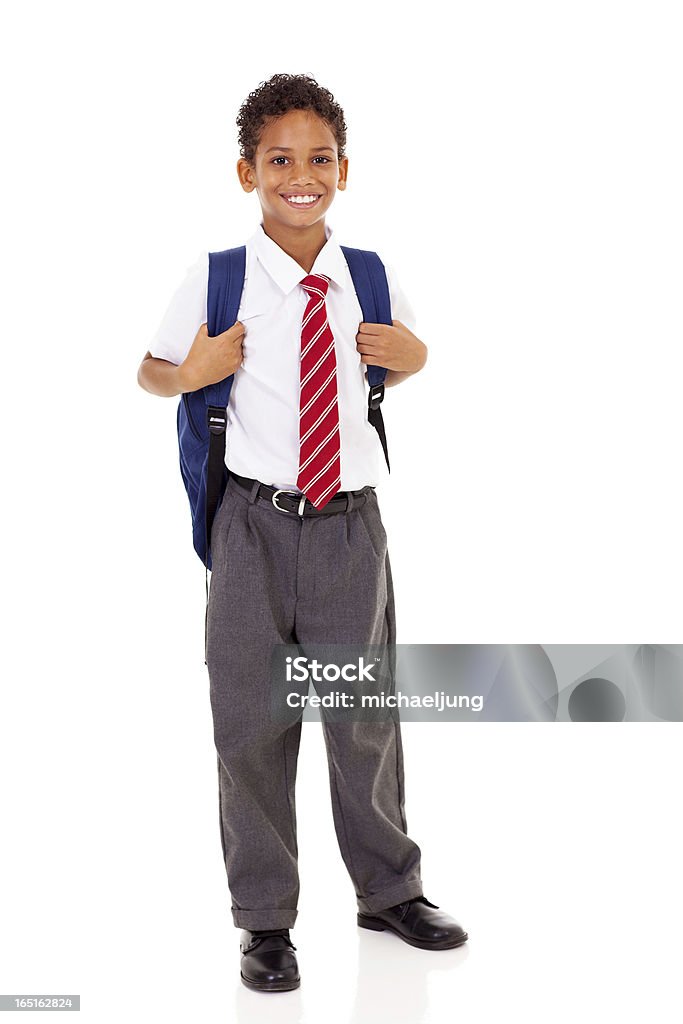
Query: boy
299	552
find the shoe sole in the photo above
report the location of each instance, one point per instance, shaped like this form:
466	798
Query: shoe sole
375	925
272	986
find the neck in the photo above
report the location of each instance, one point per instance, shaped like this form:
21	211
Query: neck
302	244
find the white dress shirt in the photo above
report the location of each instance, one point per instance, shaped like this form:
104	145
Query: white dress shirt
262	437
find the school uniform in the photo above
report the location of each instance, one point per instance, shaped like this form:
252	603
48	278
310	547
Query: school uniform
279	577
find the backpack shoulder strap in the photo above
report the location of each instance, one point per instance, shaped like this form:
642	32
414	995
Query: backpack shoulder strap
226	281
372	288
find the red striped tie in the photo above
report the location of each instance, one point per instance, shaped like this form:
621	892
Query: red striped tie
319	451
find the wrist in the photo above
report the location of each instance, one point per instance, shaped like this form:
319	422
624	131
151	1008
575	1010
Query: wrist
415	363
185	378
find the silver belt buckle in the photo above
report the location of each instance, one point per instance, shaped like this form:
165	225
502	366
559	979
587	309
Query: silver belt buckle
282	490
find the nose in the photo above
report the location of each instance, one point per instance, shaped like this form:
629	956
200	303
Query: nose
300	172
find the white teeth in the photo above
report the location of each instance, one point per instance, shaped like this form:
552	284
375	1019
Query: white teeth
301	199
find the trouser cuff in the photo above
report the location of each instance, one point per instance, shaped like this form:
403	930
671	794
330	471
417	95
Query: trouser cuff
390	897
260	920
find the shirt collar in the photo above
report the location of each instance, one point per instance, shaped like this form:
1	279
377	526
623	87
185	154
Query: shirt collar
286	272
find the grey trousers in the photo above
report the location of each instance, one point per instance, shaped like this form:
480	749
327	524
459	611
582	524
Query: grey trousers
278	578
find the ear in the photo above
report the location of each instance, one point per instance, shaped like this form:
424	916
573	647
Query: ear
343	172
246	175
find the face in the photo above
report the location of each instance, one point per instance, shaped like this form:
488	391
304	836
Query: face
296	156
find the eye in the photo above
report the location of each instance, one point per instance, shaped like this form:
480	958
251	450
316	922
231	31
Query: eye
275	160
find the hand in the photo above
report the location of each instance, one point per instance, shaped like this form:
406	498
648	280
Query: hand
212	359
393	346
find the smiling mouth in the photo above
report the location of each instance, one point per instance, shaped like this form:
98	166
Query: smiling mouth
302	202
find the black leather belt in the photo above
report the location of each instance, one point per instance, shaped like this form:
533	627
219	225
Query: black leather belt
295	502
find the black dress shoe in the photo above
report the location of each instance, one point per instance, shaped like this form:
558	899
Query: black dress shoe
416	923
268	960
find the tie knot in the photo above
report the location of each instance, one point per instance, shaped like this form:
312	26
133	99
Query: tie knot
315	284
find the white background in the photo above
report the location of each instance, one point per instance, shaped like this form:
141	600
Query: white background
521	167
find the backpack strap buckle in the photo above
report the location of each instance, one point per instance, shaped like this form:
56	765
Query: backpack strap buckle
376	396
217	419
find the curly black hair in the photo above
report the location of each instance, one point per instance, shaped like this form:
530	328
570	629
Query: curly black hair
277	96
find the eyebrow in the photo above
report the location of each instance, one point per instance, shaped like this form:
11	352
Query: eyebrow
287	149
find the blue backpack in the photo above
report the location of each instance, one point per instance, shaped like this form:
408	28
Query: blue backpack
202	415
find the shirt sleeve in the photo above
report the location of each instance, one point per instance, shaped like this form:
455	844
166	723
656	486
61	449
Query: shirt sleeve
400	306
185	314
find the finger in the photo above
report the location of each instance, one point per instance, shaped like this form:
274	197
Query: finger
368	346
364	328
236	331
